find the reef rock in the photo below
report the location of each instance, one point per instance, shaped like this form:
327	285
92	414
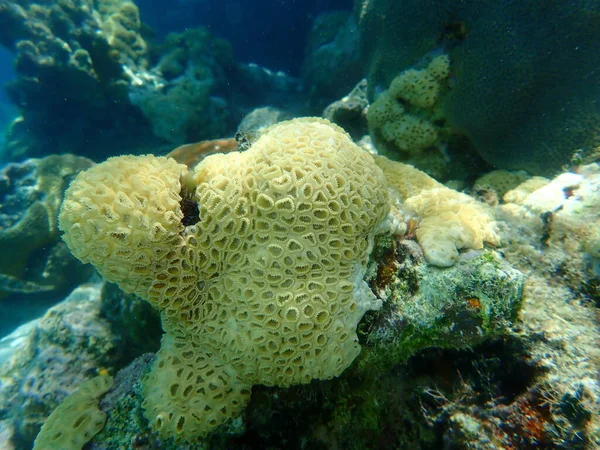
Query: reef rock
74	61
523	82
69	345
39	267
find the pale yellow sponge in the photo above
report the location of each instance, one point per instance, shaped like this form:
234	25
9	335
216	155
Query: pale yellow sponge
421	87
405	179
404	118
255	260
449	220
439	67
77	419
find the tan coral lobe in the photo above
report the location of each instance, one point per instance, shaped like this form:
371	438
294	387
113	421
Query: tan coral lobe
449	220
266	288
77	419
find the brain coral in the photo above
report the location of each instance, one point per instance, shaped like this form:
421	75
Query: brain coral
254	259
525	79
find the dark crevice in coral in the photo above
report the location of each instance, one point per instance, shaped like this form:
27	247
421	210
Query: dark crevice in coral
189	207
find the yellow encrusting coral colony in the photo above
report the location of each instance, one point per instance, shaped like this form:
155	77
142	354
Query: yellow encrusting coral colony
263	284
449	220
77	419
403	117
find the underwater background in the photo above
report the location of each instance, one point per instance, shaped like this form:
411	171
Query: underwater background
318	224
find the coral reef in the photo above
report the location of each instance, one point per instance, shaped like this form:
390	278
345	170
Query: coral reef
552	227
92	72
77	419
320	412
30	197
521	382
415	316
69	345
219	249
286	287
261	283
479	298
547	227
524	85
74	63
184	95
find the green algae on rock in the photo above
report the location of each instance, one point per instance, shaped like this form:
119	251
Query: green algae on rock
426	306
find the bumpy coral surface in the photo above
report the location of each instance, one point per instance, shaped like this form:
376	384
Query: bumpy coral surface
525	84
255	261
77	419
401	120
449	220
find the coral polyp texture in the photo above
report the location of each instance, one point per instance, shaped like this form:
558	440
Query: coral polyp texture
77	419
402	119
449	220
255	261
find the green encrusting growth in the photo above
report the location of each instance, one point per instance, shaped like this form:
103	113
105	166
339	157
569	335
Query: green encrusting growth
427	306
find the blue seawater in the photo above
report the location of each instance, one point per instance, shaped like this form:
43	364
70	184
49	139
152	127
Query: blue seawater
271	33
